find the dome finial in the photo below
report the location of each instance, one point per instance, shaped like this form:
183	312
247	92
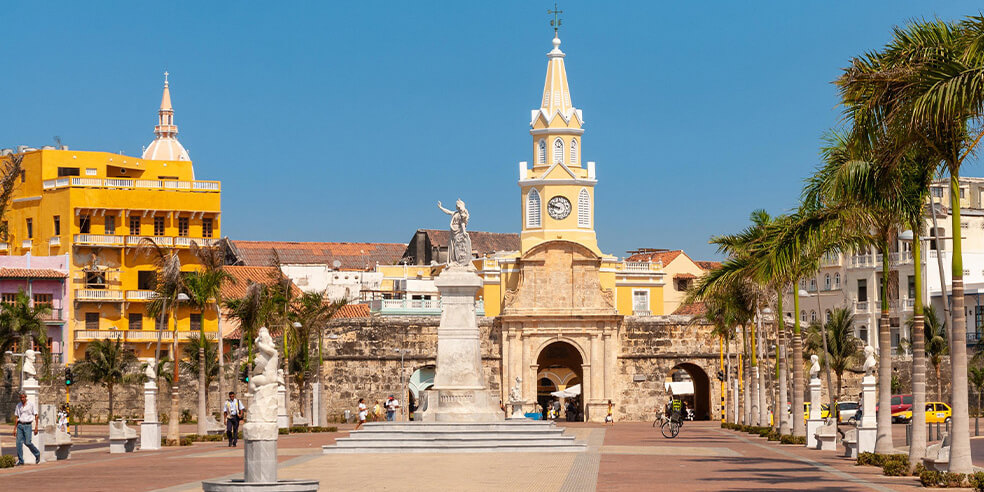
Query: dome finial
555	23
165	78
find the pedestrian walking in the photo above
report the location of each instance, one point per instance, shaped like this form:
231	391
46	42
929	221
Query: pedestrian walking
27	417
392	404
363	410
610	418
377	412
233	411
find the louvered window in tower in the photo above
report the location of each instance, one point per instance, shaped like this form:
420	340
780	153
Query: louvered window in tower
533	209
558	155
583	209
573	151
541	152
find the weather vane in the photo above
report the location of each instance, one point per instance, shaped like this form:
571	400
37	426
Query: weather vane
555	23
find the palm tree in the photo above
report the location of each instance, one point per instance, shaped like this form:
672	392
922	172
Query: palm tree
198	350
976	376
108	363
934	330
930	78
843	348
251	311
21	321
169	288
204	289
312	313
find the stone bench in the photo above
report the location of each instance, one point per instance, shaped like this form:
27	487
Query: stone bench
122	439
826	436
213	427
850	443
938	455
299	420
56	444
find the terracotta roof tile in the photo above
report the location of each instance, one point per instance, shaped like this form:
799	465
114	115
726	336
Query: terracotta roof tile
684	275
694	309
352	256
483	242
665	256
708	265
352	311
31	273
246	275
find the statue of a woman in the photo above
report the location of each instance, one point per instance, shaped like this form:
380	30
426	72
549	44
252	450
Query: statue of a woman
265	371
459	248
29	367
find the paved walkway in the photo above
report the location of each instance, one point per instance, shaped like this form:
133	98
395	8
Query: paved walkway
627	456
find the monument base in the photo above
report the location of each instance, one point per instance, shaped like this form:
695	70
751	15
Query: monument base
462	405
242	486
261	461
150	436
811	432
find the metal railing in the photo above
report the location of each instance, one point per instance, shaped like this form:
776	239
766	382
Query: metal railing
98	240
26	244
54	241
862	306
140	295
124	183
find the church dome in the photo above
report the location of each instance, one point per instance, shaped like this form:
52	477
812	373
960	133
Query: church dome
166	149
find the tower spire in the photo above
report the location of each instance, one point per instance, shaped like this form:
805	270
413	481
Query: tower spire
165	116
555	23
166	146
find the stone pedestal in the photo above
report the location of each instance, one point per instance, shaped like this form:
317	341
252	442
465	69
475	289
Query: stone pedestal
517	411
150	428
32	389
46	432
261	451
814	421
316	404
283	421
459	381
867	427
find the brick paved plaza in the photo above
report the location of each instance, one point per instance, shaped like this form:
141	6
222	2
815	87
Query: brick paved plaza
628	456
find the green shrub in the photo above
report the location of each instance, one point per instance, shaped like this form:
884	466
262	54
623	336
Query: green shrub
773	436
185	416
896	468
918	469
282	431
954	479
299	429
977	481
186	441
7	461
323	429
791	439
929	478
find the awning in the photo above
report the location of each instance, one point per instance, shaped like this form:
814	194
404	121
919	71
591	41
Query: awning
568	393
680	387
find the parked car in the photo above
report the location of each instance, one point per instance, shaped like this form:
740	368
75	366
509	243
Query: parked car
936	412
824	411
900	404
847	411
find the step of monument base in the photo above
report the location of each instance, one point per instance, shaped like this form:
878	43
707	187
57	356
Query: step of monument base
455	437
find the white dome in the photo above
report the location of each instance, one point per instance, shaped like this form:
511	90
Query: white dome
166	149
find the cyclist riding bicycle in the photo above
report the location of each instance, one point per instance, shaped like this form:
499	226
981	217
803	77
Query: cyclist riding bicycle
676	409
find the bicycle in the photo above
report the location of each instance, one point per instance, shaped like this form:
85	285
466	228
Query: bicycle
668	427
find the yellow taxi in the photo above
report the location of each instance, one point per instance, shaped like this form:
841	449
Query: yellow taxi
824	411
936	412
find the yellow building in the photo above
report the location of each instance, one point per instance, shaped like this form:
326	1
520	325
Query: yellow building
98	207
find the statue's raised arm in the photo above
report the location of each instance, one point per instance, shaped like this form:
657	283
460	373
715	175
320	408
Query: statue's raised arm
444	209
459	250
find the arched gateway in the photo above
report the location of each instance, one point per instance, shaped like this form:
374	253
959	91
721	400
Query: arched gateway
559	366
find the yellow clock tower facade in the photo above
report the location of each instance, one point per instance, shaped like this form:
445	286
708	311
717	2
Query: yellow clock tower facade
557	190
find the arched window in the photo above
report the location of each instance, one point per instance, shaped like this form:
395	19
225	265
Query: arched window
583	208
827	316
541	152
813	284
826	281
573	151
533	209
813	316
558	155
803	315
863	334
837	280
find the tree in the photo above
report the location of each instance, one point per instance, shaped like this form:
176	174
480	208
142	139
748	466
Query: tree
976	377
843	348
311	311
204	289
251	311
21	321
934	332
108	363
197	350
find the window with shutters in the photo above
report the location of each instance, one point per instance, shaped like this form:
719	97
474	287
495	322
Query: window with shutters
136	321
134	225
91	321
158	226
573	151
84	224
30	228
206	227
196	321
57	225
558	155
640	302
110	225
161	324
541	152
583	208
533	209
183	226
8	297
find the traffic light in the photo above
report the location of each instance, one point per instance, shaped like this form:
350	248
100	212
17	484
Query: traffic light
68	376
245	375
720	375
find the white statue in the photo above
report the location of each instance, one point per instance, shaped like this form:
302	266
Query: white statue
150	373
516	393
280	377
263	383
869	360
29	368
459	247
814	366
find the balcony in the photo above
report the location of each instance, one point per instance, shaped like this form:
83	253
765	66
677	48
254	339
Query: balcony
98	295
141	295
135	336
421	307
4	246
98	240
862	307
53	315
830	260
639	266
26	244
133	184
170	241
862	261
162	241
901	258
54	242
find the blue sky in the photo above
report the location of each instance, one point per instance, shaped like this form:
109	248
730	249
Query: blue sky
330	122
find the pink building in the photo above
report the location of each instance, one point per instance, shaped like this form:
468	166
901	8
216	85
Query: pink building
43	279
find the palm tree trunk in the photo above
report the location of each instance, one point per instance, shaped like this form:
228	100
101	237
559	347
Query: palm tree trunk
321	385
939	260
202	396
799	426
939	384
218	319
883	439
763	411
960	459
109	389
917	446
173	431
727	375
831	397
840	377
746	416
781	361
753	392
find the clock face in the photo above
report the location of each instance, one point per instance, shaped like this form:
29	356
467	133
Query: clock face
559	207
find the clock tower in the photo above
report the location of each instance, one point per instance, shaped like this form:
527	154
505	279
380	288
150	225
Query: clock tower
557	190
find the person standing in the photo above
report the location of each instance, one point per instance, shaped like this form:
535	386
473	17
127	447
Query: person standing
233	411
363	410
392	404
377	412
610	418
27	417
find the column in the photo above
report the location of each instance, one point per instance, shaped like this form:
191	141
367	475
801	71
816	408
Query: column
506	362
527	369
611	355
597	360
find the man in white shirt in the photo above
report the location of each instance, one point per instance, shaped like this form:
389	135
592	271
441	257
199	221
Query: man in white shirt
27	417
392	404
233	411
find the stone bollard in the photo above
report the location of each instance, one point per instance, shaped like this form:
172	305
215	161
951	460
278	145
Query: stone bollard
32	389
814	421
150	428
867	427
